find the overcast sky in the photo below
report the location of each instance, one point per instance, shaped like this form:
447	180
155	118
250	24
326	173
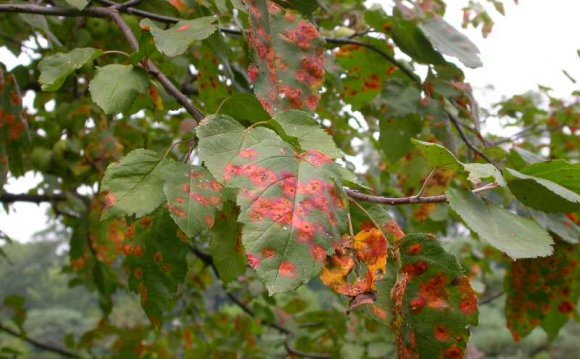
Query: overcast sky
528	47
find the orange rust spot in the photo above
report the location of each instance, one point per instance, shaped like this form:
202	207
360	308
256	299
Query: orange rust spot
182	28
138	251
145	221
127	249
453	353
287	270
138	273
441	333
416	305
415	249
158	257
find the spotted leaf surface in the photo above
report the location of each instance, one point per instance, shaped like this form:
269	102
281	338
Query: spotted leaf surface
221	139
432	300
13	127
193	197
292	209
134	184
155	262
365	72
288	66
543	292
175	40
370	250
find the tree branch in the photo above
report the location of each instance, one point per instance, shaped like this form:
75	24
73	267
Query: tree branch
394	201
32	198
39	345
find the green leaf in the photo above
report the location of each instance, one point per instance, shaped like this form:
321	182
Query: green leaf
221	138
301	125
399	98
135	183
446	39
564	173
411	40
79	4
115	87
479	171
543	292
244	107
176	40
542	194
226	245
433	302
293	210
156	263
396	134
288	61
193	197
559	224
55	69
516	236
437	155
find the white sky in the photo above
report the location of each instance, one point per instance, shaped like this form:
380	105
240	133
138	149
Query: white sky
528	47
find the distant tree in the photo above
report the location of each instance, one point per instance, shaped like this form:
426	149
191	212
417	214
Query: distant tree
235	162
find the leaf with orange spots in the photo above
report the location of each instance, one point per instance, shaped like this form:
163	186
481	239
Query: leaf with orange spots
365	72
293	210
134	184
193	197
369	247
13	127
155	262
543	291
226	247
212	91
176	40
432	301
288	67
94	246
221	139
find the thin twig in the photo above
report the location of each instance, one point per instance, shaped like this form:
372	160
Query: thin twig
491	298
426	183
456	123
394	201
39	345
208	260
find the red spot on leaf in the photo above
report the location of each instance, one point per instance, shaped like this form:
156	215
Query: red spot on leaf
441	333
287	270
138	273
416	305
183	28
415	249
138	251
158	257
566	307
453	353
318	253
253	261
